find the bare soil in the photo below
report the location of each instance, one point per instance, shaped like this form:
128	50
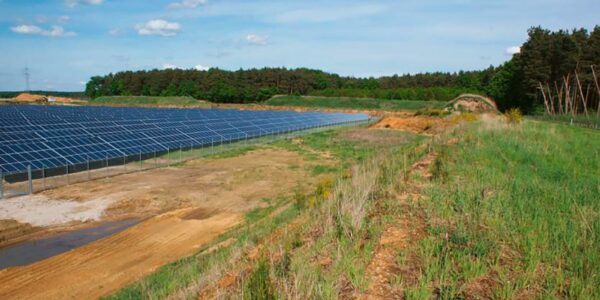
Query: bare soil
406	230
415	124
187	206
106	265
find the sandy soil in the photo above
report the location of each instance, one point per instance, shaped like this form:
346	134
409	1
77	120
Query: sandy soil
235	184
416	124
104	266
39	210
191	205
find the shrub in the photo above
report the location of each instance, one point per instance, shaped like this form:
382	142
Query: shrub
514	116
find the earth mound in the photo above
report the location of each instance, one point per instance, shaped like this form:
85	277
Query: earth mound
472	103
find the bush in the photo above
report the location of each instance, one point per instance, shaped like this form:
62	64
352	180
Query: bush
514	116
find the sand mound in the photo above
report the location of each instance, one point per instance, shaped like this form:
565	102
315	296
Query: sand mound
26	97
416	124
473	103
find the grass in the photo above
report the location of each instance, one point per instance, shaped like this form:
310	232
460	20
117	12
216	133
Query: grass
590	121
516	215
148	101
354	103
187	276
511	211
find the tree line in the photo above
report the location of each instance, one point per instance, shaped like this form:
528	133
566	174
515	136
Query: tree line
553	69
545	58
256	85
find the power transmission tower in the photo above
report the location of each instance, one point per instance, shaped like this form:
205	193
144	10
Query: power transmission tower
26	73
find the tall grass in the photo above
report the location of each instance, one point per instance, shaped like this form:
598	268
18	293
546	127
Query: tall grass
147	101
354	103
518	215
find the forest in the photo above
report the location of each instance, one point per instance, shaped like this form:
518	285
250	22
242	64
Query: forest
552	65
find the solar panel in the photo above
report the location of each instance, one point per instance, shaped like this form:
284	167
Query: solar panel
56	136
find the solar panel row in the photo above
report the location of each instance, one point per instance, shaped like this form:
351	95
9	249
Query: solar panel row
54	136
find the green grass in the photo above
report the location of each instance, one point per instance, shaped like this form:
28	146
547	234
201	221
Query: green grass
590	121
147	101
260	223
354	103
180	274
516	213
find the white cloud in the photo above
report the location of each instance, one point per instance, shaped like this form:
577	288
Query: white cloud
201	68
56	31
513	50
158	27
169	66
258	40
82	82
26	29
187	4
73	3
63	19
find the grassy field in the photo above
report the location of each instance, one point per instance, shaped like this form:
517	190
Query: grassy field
513	213
590	121
147	101
185	278
354	103
507	211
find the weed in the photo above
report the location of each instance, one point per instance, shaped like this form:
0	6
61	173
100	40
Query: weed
259	285
513	116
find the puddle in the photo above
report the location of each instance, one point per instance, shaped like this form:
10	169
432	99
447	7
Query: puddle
31	251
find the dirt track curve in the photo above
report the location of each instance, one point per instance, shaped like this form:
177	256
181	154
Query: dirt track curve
104	266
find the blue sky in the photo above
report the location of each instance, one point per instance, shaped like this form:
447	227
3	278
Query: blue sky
65	42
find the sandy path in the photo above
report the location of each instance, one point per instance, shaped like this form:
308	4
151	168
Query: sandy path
106	265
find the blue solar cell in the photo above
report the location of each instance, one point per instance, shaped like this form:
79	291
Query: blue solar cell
55	136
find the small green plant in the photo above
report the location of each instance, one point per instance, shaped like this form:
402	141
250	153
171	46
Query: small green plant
300	199
259	285
514	116
439	169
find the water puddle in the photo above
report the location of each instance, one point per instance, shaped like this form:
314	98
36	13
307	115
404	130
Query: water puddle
31	251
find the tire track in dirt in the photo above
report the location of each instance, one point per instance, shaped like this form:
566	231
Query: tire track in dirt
104	266
402	233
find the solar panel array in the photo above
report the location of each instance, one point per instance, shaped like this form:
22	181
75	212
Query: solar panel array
45	137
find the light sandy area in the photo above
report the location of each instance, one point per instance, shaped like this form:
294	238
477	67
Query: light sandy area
39	210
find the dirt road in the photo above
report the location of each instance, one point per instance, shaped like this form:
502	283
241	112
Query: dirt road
106	265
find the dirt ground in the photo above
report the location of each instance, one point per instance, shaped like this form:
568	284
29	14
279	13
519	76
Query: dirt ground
102	267
414	124
217	191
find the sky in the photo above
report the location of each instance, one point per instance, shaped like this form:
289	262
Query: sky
65	42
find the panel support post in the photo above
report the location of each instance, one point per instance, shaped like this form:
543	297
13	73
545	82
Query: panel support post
44	178
141	163
67	169
88	169
30	180
180	153
1	185
168	157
